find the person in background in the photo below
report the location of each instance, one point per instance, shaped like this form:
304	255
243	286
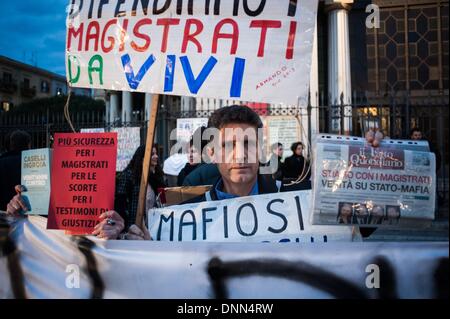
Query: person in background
276	157
129	181
416	135
205	173
296	164
172	167
11	165
195	155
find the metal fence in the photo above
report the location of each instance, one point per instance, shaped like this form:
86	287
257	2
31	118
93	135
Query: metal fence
394	113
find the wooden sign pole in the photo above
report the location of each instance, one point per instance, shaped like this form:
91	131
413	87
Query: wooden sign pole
147	159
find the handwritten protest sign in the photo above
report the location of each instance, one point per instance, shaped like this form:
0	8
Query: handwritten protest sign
282	129
394	184
258	51
186	127
82	180
275	217
129	139
36	178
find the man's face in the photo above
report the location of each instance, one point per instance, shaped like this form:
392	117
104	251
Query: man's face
237	153
195	157
416	135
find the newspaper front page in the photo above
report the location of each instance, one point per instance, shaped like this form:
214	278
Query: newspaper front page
354	183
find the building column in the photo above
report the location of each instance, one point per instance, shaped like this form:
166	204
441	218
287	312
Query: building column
113	107
339	76
314	89
187	103
126	107
107	111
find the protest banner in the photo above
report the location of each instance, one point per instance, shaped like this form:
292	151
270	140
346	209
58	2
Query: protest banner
214	49
354	183
128	139
35	177
187	126
54	267
279	217
82	180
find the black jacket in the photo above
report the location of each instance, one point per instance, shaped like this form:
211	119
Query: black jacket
205	174
278	175
187	169
10	175
294	166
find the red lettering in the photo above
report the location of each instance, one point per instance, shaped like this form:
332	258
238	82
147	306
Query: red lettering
291	40
111	39
92	33
123	34
190	37
72	33
166	23
264	25
218	35
142	36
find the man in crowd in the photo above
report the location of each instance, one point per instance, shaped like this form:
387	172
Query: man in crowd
195	155
276	157
417	135
237	159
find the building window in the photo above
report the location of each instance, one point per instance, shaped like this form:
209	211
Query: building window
404	53
45	88
26	83
59	91
7	77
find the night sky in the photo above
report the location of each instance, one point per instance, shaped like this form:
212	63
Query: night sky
30	27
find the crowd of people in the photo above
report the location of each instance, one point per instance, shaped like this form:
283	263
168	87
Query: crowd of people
230	174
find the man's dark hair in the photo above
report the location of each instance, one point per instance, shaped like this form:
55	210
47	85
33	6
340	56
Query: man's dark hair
234	114
413	130
275	146
295	145
19	141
